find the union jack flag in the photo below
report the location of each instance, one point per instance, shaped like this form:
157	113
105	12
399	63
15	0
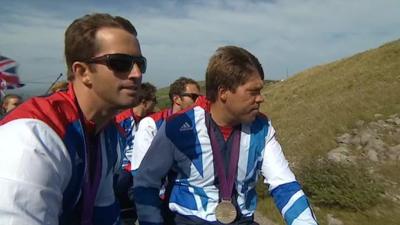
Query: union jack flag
8	74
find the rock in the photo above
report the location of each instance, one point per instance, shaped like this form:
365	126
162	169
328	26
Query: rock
366	135
332	220
395	148
393	152
339	154
390	120
375	144
397	121
378	115
360	123
356	140
383	125
372	155
344	139
374	125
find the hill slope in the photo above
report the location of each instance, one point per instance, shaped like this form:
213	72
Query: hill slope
312	107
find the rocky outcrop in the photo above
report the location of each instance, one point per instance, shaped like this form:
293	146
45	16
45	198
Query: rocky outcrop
376	141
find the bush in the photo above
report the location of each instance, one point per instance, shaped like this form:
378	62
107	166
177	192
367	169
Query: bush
338	185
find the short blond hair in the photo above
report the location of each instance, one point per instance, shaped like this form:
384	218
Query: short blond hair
60	85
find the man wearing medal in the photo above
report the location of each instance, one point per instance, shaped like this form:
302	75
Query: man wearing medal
218	148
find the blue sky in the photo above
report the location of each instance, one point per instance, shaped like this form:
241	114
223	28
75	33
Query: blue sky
178	36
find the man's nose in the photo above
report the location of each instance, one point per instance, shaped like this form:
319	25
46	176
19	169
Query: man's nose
260	98
135	72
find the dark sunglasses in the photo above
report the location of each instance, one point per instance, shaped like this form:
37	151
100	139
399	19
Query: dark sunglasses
193	96
121	63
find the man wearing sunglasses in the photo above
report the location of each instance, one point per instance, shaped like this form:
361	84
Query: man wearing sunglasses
183	93
59	153
218	148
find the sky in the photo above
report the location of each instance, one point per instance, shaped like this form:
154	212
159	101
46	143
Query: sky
178	37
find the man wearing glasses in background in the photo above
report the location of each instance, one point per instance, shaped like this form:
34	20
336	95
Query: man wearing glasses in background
183	93
59	153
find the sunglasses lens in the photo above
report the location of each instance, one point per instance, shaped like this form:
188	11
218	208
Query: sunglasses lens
120	63
141	63
194	96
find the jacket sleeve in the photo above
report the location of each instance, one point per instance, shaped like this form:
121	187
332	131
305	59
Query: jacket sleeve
148	179
144	136
35	169
285	190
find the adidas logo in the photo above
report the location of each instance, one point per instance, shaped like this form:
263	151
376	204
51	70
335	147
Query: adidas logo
185	127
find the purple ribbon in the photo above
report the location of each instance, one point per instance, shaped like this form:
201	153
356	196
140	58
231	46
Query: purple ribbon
226	181
91	183
91	178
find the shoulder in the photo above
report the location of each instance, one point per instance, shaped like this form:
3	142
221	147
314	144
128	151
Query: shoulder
261	121
32	141
57	111
184	124
160	115
126	114
261	125
147	122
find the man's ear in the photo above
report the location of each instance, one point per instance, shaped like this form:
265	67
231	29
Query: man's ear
143	102
82	72
177	99
222	93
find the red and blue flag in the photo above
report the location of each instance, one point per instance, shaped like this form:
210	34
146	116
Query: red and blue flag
8	74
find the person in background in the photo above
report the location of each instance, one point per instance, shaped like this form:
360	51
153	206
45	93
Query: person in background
183	92
10	102
59	86
59	153
218	148
129	120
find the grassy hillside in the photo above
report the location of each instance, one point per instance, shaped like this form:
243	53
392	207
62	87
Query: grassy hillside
311	108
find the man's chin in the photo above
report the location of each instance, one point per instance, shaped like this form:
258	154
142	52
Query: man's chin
249	119
128	104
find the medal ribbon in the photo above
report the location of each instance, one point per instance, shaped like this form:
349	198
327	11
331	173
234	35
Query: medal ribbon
226	180
91	183
92	176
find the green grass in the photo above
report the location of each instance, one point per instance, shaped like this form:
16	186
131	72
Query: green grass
313	107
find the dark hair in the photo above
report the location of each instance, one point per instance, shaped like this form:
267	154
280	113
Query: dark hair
146	92
80	36
178	87
230	67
